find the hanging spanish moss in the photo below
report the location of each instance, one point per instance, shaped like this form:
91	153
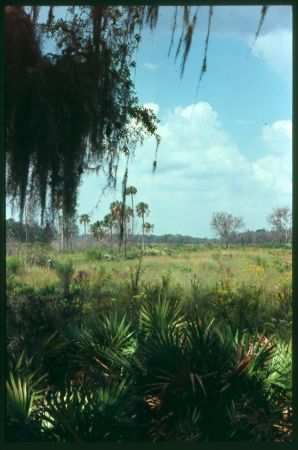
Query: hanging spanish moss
188	40
204	64
264	10
174	24
69	110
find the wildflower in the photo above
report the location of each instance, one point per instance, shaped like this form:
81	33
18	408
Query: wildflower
259	269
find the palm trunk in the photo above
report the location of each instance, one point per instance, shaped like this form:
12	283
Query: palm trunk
143	234
125	239
132	222
26	231
62	234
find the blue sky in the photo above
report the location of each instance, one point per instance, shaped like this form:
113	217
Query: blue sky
226	148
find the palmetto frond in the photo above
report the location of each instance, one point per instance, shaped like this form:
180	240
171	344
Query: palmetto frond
22	399
81	415
103	345
19	399
162	316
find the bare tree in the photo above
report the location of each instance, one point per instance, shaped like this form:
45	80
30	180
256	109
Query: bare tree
281	222
225	225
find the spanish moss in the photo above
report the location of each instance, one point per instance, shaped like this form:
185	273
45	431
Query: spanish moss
204	65
173	30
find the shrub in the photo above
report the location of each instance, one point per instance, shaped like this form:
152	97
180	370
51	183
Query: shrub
94	255
278	265
37	254
65	272
33	315
13	265
37	260
133	254
152	251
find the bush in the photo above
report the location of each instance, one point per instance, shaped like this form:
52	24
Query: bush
152	251
94	255
13	265
37	254
65	272
278	265
37	260
33	315
133	254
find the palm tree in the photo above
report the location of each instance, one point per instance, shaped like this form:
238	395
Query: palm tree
142	210
108	222
84	218
97	229
131	190
116	208
148	227
116	213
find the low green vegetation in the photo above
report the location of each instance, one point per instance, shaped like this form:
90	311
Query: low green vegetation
181	343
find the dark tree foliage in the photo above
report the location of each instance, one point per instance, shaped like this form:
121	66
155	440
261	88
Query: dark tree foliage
72	110
16	231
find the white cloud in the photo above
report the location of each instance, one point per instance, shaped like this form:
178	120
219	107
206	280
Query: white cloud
278	136
195	140
275	48
274	173
201	170
150	66
274	170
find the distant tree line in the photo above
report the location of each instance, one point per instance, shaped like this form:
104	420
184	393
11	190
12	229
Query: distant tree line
16	231
64	232
174	239
225	227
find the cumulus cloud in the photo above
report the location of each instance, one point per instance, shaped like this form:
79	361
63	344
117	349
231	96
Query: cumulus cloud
201	170
194	139
274	173
275	48
274	170
278	136
200	164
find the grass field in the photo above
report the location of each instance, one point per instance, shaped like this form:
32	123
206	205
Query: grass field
181	264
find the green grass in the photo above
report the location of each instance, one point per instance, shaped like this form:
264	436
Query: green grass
211	265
